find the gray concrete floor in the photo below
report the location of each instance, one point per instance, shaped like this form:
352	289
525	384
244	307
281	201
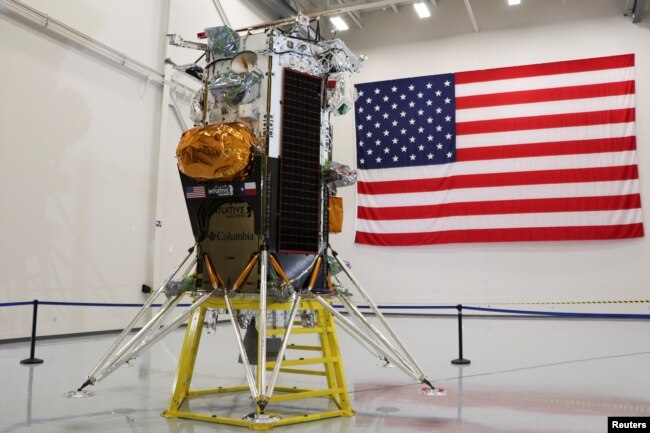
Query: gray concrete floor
526	375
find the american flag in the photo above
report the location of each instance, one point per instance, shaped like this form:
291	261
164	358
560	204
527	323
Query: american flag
525	153
194	192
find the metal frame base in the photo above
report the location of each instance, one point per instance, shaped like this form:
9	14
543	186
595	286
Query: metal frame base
326	354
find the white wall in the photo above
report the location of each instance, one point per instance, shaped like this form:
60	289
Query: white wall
493	274
78	137
80	140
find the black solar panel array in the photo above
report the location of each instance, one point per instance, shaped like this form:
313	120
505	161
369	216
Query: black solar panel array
300	186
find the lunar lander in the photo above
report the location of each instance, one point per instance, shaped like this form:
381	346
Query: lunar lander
260	188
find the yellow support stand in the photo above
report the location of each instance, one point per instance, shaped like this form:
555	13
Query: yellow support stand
326	353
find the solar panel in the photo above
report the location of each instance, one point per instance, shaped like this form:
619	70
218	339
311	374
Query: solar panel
300	185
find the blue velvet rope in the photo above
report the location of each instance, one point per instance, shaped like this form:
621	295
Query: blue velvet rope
81	304
383	307
15	304
561	314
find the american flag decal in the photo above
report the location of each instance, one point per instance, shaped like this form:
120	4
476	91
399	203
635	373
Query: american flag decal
194	192
525	153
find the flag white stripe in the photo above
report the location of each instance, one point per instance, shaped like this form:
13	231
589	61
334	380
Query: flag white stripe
511	165
545	108
545	135
473	222
519	192
546	82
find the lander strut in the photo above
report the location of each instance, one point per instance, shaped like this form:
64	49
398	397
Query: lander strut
260	188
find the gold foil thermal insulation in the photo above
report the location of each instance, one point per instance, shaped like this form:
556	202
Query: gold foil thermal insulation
221	151
335	212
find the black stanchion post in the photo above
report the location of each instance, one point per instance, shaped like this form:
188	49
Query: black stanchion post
31	359
460	360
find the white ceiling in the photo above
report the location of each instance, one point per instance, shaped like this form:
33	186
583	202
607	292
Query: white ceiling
488	14
378	22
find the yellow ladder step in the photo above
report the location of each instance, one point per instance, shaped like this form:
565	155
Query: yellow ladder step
303	361
304	347
281	331
300	371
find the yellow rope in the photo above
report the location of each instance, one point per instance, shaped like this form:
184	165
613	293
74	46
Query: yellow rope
630	301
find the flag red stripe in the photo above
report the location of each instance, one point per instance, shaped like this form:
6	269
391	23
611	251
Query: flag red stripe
599	174
554	68
547	149
547	121
496	207
545	95
504	235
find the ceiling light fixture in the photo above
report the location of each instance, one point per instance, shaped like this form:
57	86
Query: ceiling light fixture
422	10
339	24
513	2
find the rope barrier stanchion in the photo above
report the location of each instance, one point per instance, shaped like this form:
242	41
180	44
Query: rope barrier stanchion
460	360
32	360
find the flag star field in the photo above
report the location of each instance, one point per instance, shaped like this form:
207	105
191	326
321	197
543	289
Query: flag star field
406	122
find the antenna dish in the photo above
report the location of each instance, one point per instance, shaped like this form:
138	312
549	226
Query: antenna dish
243	62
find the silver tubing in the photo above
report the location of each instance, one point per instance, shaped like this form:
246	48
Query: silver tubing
125	332
379	315
304	271
244	357
361	337
175	300
283	348
148	303
371	350
162	331
356	313
177	112
138	338
261	342
221	12
351	314
160	322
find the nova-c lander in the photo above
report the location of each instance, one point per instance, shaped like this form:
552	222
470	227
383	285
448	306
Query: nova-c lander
260	187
